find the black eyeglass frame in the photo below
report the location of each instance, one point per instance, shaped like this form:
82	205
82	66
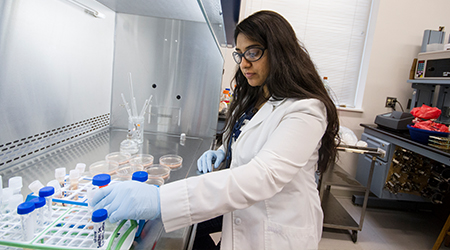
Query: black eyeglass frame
235	53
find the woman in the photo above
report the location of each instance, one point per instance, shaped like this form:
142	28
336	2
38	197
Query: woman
280	127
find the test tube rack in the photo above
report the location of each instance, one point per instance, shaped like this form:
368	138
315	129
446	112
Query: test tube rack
71	228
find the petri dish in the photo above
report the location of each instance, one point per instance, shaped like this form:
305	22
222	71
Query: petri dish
171	161
157	181
119	157
145	160
103	167
126	170
158	171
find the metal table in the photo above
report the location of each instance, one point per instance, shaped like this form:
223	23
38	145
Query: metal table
95	147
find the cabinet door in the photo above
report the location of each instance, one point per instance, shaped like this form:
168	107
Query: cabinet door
379	173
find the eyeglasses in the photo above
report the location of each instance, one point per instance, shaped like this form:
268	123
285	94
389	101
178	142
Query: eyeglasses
251	55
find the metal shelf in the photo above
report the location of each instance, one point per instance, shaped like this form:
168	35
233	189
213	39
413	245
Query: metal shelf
335	216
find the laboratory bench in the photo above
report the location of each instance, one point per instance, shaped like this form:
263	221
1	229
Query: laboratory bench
94	147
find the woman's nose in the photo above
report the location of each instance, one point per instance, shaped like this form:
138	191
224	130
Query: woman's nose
245	63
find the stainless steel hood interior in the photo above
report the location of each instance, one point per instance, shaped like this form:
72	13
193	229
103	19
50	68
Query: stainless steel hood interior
187	10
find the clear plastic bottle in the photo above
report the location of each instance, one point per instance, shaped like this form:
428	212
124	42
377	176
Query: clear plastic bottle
47	193
39	203
27	220
98	217
129	145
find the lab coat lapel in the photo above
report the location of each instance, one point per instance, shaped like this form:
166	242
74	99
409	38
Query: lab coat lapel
262	114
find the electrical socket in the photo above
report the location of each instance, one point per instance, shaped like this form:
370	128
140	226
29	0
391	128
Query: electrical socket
390	102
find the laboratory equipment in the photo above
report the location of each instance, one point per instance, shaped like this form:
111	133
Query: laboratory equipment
81	167
55	184
15	183
7	194
13	202
171	161
98	181
433	65
432	37
135	119
158	170
47	193
157	181
103	167
60	175
129	145
119	157
74	175
145	160
39	203
27	220
140	176
125	171
99	217
395	120
35	186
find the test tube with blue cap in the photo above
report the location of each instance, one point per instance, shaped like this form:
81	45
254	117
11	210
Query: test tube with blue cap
27	220
98	218
140	176
98	181
47	193
39	203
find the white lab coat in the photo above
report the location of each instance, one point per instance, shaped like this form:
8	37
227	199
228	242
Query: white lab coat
268	197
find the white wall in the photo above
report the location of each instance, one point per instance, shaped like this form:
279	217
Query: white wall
399	27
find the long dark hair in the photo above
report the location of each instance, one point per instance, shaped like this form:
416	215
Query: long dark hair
292	75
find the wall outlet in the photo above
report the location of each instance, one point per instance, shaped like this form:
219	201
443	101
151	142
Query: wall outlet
390	102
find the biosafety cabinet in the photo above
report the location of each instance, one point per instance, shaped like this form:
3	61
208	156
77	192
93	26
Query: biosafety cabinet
64	65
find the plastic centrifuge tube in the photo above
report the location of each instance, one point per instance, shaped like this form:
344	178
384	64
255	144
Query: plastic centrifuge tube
35	186
7	194
27	220
140	176
98	181
47	193
15	183
14	201
98	217
81	167
39	203
58	191
60	175
74	176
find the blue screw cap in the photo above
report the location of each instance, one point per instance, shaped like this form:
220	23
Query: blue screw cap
38	202
141	176
99	215
46	191
101	180
25	208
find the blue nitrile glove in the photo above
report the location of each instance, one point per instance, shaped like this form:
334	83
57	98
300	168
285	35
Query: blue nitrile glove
128	200
208	158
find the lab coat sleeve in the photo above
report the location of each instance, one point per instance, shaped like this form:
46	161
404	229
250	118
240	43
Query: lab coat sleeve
288	148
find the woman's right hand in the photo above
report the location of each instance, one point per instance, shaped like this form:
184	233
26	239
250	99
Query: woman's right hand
208	158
